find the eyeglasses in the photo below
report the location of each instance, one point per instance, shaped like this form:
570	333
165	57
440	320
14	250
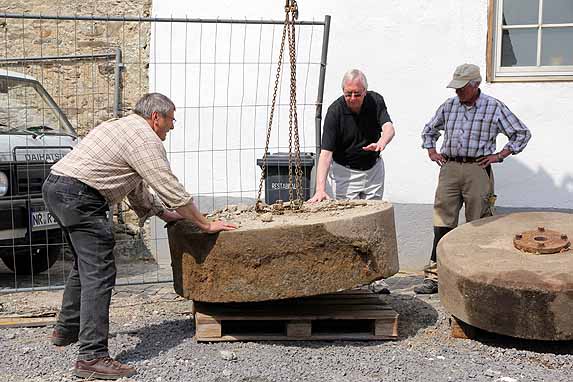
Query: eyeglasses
353	94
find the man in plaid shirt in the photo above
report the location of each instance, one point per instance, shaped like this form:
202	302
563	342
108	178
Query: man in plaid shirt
117	159
471	123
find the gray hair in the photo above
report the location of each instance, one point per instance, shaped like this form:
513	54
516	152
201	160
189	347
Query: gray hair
474	83
153	102
352	75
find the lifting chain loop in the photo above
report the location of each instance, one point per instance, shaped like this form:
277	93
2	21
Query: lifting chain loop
291	14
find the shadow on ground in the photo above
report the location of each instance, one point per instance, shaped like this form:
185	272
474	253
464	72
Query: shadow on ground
537	346
128	272
415	313
156	339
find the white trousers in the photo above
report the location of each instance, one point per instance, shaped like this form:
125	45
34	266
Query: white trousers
346	183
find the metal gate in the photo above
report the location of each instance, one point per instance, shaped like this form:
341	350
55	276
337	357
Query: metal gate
60	76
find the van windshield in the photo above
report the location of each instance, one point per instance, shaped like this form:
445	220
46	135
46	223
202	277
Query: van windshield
25	109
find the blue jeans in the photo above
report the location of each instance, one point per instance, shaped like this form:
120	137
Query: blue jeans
83	214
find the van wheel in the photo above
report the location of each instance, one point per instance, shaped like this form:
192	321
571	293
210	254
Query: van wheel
26	261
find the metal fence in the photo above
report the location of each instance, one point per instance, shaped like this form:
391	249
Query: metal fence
60	76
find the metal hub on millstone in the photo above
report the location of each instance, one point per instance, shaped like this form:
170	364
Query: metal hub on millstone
322	248
542	241
488	283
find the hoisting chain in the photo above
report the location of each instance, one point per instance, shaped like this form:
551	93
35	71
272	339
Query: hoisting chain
291	14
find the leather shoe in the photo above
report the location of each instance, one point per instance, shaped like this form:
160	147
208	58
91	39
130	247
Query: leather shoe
59	339
102	368
429	286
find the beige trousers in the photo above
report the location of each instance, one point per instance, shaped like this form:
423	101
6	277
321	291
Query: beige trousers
461	184
467	184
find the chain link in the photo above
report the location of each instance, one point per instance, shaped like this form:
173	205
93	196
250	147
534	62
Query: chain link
291	14
293	118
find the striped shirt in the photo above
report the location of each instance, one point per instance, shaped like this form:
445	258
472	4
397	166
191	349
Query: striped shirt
120	158
472	131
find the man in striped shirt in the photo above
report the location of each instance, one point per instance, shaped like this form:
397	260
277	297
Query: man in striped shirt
117	159
471	122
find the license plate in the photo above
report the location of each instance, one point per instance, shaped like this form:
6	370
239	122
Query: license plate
43	220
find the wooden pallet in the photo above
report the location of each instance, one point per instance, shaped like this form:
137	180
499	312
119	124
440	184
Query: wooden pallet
460	329
349	315
27	320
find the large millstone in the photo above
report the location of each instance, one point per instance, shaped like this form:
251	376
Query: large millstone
488	283
330	247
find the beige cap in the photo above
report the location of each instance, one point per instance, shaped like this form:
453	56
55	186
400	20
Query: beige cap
464	74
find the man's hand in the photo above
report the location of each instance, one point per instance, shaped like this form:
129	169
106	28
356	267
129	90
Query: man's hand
319	196
436	157
170	216
489	159
374	147
220	225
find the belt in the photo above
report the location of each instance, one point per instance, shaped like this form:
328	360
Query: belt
463	159
63	179
359	168
69	180
364	168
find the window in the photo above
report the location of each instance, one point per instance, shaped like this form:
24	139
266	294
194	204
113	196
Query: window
24	110
530	40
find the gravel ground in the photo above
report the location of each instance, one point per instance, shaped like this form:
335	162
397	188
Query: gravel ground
153	331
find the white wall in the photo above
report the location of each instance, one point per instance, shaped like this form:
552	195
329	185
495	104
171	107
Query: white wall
408	50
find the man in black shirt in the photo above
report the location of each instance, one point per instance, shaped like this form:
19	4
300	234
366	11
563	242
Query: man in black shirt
357	128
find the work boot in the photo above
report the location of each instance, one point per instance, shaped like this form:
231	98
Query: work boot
379	287
58	338
102	368
429	286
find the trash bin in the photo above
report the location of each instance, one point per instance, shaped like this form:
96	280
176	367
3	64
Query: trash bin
276	176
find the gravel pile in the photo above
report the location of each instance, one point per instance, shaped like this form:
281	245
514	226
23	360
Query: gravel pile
152	329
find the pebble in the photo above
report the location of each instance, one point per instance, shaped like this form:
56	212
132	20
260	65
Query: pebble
491	373
228	355
227	373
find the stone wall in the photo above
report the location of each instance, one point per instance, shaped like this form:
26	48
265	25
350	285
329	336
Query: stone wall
84	88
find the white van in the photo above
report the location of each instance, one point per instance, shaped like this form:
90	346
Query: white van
34	134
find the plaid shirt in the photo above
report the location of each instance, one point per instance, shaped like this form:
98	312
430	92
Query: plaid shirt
120	158
472	131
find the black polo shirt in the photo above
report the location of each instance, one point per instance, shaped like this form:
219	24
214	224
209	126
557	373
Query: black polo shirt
345	133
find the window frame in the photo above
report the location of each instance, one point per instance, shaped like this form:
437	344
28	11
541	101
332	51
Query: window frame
539	73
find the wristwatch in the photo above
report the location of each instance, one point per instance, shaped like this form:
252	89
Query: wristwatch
499	157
